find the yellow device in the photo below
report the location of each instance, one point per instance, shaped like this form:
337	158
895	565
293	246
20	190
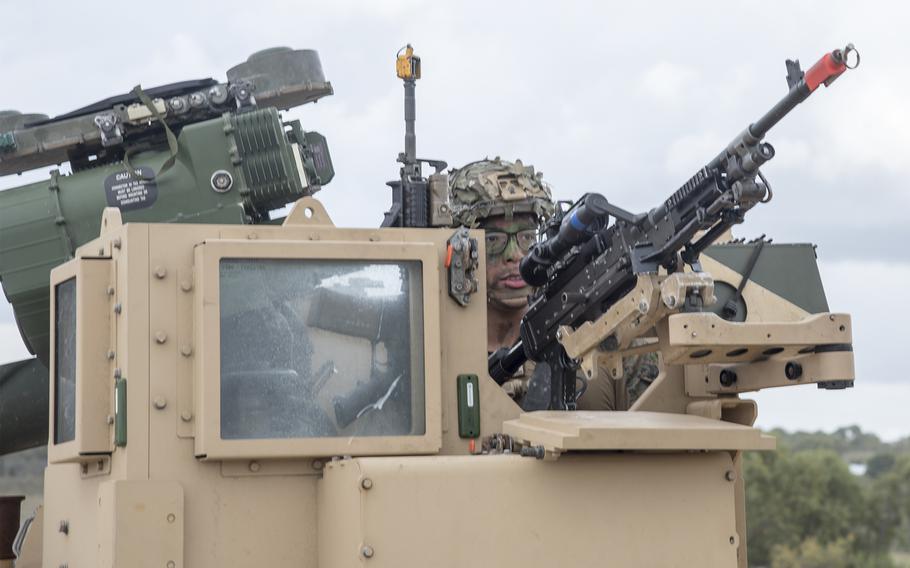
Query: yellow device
407	66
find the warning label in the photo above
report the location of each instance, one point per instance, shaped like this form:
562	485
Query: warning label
128	192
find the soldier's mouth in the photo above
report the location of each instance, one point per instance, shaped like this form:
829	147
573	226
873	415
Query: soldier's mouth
513	281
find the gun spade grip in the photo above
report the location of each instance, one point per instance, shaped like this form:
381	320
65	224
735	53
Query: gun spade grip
825	70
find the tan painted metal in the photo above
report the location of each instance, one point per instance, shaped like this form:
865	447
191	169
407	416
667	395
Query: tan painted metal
421	500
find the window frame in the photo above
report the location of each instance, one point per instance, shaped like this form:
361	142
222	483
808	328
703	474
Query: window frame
207	314
94	385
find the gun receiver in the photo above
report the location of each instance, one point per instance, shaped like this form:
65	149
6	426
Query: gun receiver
586	265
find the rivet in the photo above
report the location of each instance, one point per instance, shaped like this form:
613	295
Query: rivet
186	350
160	336
730	475
160	403
318	465
110	355
160	272
694	334
171	517
110	419
367	551
255	466
186	285
186	415
171	564
117	373
110	290
64	527
118	308
366	483
117	242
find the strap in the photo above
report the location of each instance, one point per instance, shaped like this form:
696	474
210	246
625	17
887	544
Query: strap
171	138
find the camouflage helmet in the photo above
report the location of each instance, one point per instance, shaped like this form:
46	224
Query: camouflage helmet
487	188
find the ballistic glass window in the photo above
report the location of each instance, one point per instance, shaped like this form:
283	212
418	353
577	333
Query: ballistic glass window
321	348
65	362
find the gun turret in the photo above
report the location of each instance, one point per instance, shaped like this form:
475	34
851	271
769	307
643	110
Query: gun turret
586	265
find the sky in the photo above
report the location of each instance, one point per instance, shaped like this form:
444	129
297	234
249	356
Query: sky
626	100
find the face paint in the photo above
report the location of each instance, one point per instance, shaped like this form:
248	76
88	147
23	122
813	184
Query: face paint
505	288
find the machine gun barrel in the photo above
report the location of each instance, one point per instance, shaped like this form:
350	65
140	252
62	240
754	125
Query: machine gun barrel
578	284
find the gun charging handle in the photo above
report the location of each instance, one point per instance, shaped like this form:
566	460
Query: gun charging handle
572	231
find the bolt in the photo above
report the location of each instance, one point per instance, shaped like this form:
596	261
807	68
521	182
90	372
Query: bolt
64	527
255	466
110	355
186	350
186	415
110	290
793	370
727	378
694	334
160	403
367	551
643	307
171	517
171	564
118	307
186	285
671	302
730	475
317	465
117	242
366	483
160	337
117	373
160	272
110	419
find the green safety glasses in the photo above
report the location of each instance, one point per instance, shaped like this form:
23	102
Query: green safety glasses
498	240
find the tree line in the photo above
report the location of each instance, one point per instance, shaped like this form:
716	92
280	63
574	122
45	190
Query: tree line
839	500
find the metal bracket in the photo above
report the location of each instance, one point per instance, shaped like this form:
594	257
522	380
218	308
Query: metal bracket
108	125
653	298
461	264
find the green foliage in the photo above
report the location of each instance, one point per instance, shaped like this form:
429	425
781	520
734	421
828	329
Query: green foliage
805	508
837	554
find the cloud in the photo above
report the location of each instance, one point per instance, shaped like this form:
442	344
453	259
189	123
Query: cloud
667	83
878	408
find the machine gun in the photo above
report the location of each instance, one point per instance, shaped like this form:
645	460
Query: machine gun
586	266
416	201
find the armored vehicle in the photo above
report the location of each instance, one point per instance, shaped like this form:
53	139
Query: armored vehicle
223	393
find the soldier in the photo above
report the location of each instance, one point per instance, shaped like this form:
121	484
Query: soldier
510	201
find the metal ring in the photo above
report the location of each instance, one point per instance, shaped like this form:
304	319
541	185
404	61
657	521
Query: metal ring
847	51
